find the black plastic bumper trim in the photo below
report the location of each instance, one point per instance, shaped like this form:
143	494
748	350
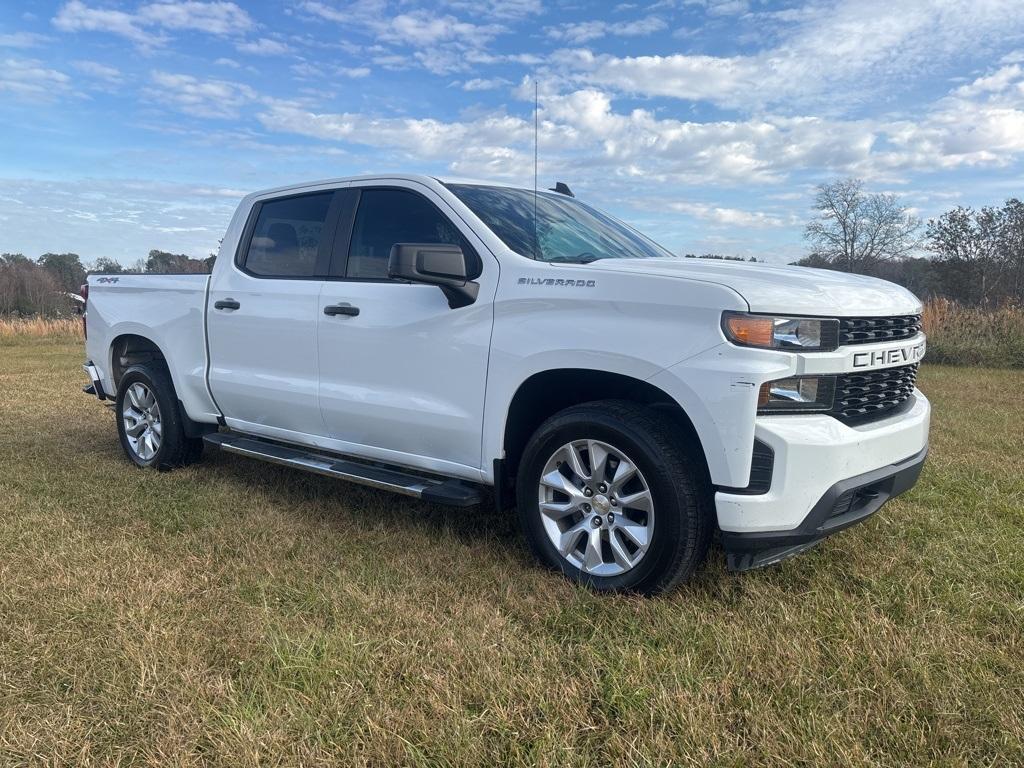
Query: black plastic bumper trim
846	503
762	465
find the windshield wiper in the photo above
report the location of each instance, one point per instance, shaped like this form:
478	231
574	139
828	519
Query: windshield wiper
582	258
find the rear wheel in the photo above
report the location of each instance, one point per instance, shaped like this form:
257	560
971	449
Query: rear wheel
609	496
148	420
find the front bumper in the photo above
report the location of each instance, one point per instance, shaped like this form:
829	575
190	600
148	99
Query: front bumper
826	477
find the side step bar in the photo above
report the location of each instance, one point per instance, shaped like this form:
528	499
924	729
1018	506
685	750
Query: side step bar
451	492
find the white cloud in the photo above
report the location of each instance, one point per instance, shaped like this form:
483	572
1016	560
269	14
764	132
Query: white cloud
201	98
496	145
76	16
585	31
215	18
727	7
851	48
497	9
97	70
996	82
31	80
728	217
582	131
421	28
482	84
23	40
263	46
440	43
353	72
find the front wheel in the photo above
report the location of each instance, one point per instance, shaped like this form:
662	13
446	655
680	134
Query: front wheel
608	495
148	421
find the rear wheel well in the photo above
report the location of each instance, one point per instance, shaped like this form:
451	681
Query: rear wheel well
545	394
130	349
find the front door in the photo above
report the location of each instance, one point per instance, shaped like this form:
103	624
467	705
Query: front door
403	380
263	314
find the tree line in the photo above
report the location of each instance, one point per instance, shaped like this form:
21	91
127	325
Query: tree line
971	256
40	286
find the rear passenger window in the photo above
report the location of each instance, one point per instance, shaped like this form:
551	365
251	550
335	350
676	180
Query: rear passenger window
286	238
389	216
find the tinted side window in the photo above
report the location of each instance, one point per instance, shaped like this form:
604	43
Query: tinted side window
389	216
286	238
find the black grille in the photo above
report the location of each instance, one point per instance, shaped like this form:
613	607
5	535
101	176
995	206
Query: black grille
872	394
867	330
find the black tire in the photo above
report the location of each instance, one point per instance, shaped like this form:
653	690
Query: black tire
674	472
176	448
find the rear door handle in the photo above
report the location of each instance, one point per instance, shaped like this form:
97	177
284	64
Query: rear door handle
341	309
226	304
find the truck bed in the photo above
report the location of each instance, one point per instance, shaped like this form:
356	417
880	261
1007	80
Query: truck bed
167	309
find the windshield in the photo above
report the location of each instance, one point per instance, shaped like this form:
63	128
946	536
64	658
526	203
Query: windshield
567	230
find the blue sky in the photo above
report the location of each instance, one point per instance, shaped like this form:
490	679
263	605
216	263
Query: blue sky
126	126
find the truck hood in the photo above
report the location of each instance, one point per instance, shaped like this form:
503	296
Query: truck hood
793	290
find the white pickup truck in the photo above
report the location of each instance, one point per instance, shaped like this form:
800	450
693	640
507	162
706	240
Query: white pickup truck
435	338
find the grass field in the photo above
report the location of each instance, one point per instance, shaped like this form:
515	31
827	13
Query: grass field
235	613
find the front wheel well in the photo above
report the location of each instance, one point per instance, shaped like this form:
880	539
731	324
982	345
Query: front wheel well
545	394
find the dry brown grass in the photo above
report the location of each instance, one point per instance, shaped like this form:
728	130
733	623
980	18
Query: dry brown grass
960	335
40	327
235	613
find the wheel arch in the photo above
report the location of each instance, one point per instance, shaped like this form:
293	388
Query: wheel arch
128	349
547	392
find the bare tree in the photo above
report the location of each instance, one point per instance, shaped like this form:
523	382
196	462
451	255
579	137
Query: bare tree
854	230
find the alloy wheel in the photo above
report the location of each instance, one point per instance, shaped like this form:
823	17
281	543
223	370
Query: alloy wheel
141	416
596	507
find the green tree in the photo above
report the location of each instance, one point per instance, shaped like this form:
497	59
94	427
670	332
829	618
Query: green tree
66	269
107	266
162	262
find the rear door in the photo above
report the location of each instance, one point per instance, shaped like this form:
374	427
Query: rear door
263	314
404	379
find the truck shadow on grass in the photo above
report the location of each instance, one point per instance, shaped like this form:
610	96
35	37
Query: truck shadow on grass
338	508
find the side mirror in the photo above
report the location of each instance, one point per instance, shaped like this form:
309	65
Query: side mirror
434	264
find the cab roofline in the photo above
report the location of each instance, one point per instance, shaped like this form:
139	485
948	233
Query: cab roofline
415	177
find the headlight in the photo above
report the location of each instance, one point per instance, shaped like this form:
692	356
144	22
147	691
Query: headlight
797	394
807	334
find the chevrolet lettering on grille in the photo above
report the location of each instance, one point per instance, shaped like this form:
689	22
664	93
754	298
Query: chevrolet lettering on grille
895	356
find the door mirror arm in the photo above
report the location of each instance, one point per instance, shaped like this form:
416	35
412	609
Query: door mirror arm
435	264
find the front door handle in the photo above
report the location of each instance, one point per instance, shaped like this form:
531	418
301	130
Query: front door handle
341	309
226	304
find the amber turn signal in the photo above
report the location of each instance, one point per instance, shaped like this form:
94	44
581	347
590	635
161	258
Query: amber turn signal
750	330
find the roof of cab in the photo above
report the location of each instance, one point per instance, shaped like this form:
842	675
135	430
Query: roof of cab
417	177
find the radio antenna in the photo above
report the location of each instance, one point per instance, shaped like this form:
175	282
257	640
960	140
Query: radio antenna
536	131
